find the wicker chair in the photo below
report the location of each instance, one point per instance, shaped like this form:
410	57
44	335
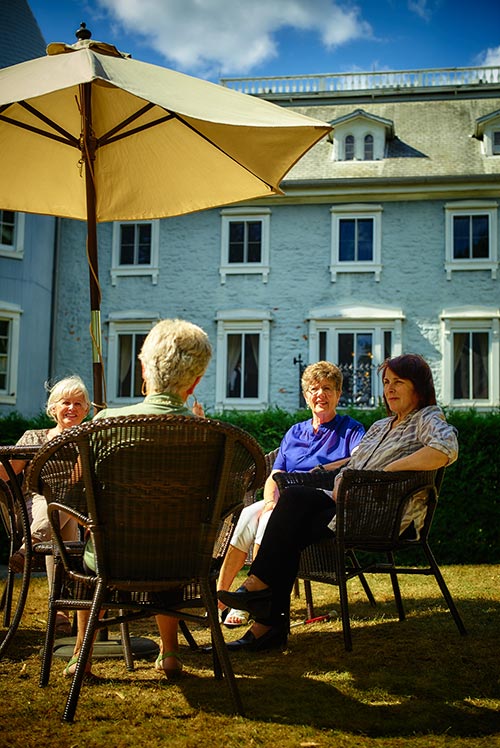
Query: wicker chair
16	523
370	505
151	491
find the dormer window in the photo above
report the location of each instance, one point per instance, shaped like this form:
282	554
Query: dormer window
360	136
487	130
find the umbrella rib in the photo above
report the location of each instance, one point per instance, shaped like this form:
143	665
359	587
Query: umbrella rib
132	118
39	131
104	140
50	123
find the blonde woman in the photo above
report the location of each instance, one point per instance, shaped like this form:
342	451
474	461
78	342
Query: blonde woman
68	404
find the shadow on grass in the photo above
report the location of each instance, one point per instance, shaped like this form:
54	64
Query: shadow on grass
401	679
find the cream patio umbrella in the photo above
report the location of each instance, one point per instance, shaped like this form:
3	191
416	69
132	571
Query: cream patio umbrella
86	132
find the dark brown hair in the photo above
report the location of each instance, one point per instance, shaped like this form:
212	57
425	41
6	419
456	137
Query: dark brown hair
413	367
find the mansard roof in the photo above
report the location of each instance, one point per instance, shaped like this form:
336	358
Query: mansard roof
435	139
20	35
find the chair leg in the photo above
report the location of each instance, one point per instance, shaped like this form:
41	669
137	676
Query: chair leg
444	589
344	601
188	635
127	646
395	588
356	565
88	641
50	633
219	645
309	598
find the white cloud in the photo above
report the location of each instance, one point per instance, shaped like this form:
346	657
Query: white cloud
425	9
490	57
233	36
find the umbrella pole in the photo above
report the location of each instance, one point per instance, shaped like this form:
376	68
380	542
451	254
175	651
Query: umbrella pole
88	146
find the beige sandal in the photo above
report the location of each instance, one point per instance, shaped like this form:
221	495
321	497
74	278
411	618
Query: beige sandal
236	618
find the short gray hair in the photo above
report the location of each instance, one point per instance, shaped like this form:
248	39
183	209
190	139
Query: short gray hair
174	354
67	387
315	373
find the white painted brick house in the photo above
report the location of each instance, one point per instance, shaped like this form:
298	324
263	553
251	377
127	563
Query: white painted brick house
385	241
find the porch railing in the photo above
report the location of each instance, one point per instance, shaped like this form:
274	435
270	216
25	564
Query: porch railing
367	81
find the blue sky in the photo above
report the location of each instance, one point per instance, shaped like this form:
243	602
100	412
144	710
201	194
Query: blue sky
214	38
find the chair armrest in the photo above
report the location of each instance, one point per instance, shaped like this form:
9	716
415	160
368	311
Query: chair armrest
323	479
370	503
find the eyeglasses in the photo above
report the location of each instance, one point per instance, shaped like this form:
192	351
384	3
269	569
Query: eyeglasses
327	389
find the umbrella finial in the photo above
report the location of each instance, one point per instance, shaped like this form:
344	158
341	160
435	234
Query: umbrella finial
83	32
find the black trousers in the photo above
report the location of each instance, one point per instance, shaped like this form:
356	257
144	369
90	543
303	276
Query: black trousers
300	518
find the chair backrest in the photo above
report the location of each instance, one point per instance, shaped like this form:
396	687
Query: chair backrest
153	489
371	504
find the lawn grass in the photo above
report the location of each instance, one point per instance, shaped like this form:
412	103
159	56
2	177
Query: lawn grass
416	684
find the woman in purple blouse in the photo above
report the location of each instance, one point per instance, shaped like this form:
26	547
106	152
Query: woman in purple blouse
325	441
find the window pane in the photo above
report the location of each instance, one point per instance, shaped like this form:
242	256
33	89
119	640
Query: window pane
480	345
322	345
470	380
347	232
480	236
144	253
387	344
7	227
461	249
251	369
125	343
461	366
349	148
4	352
496	142
129	366
365	239
233	383
368	154
236	241
127	240
346	366
254	241
355	362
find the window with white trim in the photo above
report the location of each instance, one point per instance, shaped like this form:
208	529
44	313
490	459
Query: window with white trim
126	334
242	377
10	317
11	234
135	249
357	339
471	236
245	242
356	240
471	357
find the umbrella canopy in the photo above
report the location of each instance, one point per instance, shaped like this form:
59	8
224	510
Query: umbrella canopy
88	133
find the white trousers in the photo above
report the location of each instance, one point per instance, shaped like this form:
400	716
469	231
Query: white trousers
250	527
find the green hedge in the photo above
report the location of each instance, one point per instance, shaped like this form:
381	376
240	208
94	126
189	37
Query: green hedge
466	524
